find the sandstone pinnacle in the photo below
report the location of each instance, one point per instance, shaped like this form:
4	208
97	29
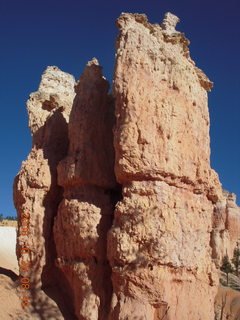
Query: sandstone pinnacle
127	218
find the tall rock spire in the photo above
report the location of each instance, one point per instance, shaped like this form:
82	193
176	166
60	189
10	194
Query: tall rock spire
159	245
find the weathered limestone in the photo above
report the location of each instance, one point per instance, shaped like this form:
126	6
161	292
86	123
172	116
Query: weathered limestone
159	244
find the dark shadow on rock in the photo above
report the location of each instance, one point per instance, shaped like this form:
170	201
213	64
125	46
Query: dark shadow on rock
52	138
64	306
9	273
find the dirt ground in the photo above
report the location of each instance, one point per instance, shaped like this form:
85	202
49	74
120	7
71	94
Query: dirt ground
229	299
8	223
11	293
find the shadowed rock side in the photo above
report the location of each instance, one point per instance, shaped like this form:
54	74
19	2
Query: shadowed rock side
86	212
36	193
159	245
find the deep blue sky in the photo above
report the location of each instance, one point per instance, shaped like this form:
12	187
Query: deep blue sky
36	34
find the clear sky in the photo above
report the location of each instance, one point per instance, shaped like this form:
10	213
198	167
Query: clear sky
36	34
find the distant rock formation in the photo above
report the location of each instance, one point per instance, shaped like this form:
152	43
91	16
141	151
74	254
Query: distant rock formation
126	215
226	227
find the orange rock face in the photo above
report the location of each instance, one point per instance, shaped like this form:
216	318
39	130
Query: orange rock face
126	213
162	130
85	213
159	246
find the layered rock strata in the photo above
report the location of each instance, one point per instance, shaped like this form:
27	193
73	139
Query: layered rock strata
159	245
125	211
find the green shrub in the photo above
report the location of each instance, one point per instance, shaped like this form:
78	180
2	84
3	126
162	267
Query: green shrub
226	266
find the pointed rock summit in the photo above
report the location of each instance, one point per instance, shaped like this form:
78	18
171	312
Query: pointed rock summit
169	22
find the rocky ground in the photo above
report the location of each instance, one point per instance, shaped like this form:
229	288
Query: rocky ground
227	300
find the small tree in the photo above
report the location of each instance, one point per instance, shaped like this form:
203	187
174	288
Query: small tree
226	266
1	217
236	259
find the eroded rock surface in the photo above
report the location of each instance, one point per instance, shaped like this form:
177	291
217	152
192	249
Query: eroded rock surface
126	213
85	214
36	193
159	245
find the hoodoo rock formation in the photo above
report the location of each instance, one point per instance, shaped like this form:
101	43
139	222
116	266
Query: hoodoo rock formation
158	245
226	227
85	213
36	192
127	218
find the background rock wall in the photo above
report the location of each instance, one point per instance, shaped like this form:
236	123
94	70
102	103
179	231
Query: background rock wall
226	227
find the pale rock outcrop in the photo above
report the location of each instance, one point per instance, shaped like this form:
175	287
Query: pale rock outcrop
159	245
233	220
169	23
85	214
36	192
226	227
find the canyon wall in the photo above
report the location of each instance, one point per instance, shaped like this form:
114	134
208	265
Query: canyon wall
127	218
